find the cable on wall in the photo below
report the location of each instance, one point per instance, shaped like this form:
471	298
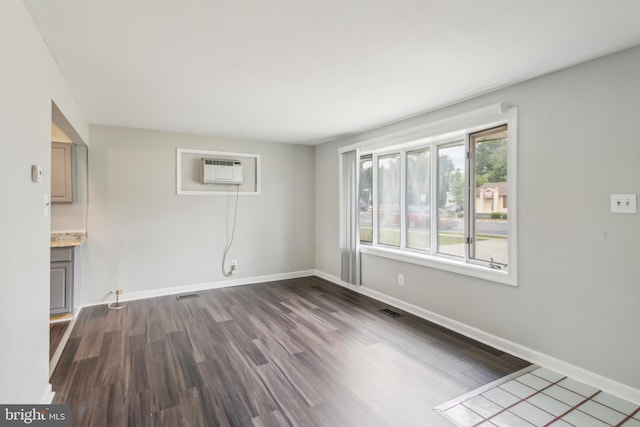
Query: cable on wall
233	267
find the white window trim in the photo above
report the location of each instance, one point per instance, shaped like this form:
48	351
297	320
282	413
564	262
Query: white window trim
441	132
440	262
437	129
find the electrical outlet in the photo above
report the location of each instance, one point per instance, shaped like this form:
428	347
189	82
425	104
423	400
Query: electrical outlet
400	279
623	203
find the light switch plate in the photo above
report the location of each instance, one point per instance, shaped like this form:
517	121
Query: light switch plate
623	203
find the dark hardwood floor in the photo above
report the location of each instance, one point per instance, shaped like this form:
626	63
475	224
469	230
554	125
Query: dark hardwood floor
56	332
299	352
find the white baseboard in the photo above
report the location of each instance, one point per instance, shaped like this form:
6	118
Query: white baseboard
577	373
47	396
151	293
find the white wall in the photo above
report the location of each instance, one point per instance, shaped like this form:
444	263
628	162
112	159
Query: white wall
579	286
30	81
143	236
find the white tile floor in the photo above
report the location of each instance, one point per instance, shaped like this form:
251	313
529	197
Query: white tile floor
539	397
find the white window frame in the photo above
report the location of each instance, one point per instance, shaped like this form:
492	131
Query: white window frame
432	135
470	200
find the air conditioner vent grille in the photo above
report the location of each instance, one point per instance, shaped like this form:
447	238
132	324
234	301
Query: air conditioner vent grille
221	171
221	162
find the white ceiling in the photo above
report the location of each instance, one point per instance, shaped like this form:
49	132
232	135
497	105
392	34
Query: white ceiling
307	71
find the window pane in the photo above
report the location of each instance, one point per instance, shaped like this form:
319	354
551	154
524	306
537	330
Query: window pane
389	199
418	199
365	199
451	169
491	222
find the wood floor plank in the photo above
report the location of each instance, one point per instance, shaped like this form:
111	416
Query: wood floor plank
113	348
65	363
182	353
296	352
272	419
163	384
56	332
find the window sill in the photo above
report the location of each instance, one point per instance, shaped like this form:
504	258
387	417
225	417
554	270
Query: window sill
442	263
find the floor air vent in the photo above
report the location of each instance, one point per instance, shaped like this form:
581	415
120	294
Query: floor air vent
185	296
390	312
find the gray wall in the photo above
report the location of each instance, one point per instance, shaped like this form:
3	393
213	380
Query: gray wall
143	236
30	81
579	290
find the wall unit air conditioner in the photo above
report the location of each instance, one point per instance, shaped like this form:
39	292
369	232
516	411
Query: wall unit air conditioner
221	171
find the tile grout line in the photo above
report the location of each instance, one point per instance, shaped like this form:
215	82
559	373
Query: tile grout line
574	408
628	417
522	399
481	390
459	401
537	392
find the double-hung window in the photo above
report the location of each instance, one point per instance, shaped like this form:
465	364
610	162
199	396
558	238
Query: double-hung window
444	199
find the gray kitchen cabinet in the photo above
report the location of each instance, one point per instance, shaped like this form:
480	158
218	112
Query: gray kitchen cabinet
61	296
61	173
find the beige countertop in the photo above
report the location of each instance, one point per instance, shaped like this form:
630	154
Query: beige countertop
67	239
